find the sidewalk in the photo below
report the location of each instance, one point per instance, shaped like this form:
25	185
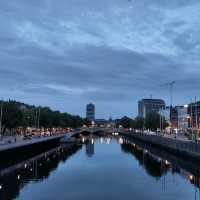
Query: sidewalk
10	139
177	137
21	142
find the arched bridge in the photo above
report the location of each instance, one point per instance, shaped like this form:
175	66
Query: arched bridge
94	131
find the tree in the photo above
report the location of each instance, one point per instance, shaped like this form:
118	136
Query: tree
138	123
126	122
87	122
16	114
153	121
12	115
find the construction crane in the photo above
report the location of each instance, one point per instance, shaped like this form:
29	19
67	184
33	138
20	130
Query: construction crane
171	88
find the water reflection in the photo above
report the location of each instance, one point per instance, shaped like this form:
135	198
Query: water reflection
36	169
110	156
89	148
157	166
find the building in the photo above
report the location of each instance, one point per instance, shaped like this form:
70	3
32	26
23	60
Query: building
165	113
174	117
90	112
146	106
182	112
194	115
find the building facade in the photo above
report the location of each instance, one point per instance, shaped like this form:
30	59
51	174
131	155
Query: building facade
182	118
166	114
174	117
194	115
90	112
146	106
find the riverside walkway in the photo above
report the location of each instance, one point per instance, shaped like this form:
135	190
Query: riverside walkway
12	142
180	146
22	143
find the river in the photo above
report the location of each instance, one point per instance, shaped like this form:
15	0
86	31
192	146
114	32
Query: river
104	168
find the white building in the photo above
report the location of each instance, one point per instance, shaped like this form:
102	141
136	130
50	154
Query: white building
165	113
182	118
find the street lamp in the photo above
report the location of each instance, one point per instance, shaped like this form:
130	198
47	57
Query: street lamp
1	115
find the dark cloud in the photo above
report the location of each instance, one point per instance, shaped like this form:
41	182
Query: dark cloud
110	52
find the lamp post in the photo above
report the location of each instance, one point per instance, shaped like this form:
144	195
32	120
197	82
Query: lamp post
196	120
191	117
1	116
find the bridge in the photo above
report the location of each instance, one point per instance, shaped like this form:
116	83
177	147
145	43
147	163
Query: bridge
94	131
23	144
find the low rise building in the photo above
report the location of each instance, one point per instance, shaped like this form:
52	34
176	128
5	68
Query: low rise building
194	115
182	118
174	117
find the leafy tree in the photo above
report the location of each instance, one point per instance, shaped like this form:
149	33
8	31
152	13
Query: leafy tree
138	123
153	121
16	114
12	115
126	122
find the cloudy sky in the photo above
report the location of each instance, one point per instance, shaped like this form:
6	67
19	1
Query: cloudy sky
66	53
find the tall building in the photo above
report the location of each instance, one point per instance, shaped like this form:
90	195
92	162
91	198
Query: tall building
90	112
146	106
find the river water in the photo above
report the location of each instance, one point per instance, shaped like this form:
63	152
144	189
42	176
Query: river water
103	168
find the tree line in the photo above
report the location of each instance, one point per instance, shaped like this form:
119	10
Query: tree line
16	114
152	121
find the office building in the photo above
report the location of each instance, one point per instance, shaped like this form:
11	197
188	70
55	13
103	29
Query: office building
146	106
90	112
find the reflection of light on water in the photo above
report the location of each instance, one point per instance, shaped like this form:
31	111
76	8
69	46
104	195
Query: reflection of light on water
167	162
101	140
121	141
25	165
92	141
83	139
108	140
191	177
